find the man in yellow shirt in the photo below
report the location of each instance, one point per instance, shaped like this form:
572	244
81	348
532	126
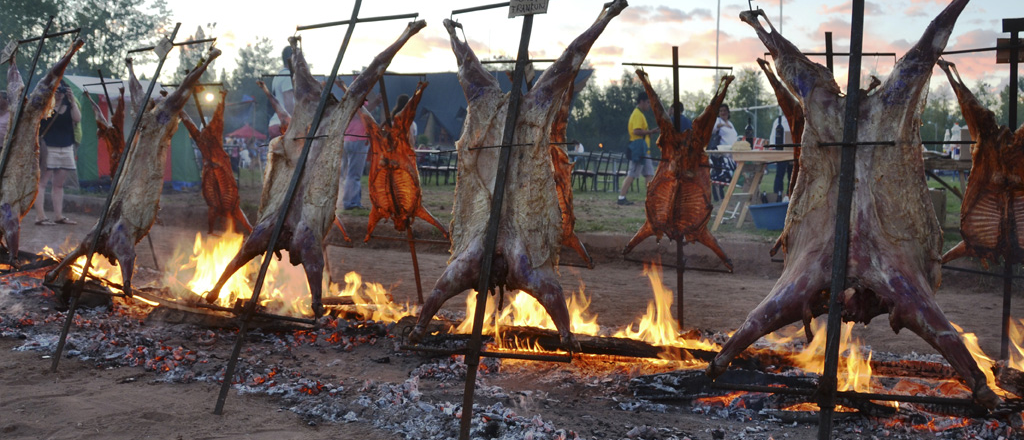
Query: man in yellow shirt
639	147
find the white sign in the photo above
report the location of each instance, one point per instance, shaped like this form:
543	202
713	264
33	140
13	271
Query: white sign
163	47
527	7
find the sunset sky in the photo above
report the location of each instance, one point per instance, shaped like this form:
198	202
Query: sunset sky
644	32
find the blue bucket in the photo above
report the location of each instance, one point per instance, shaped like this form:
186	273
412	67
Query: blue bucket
769	216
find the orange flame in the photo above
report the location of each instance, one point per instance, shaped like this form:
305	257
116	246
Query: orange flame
100	269
1016	360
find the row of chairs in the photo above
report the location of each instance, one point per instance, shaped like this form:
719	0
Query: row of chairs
437	164
603	168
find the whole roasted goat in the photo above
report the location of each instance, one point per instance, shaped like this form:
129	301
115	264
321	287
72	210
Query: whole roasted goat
563	178
895	238
529	231
794	113
394	180
136	199
679	196
111	130
310	214
21	177
219	187
992	212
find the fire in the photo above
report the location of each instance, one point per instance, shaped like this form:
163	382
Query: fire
100	269
854	372
984	362
524	311
658	326
285	290
1016	360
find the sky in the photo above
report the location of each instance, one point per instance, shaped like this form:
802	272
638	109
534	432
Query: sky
644	33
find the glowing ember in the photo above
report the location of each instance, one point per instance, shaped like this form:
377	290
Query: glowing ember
733	399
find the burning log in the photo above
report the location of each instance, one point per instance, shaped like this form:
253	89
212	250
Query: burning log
1009	379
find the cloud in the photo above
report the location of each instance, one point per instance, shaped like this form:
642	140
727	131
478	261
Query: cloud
607	51
662	14
420	46
847	8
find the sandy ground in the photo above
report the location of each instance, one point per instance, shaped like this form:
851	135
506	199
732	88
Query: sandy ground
80	401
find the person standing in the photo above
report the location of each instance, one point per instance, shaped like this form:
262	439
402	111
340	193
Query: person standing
353	160
784	169
639	147
722	165
281	87
57	139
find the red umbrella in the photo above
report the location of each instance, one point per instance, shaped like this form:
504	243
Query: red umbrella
247	132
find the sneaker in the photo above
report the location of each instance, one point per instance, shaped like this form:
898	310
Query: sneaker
624	202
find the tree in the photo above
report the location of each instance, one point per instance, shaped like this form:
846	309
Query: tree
748	92
109	27
1003	112
192	55
598	116
253	60
938	115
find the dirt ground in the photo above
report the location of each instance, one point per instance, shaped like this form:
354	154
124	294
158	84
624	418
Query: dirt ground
82	401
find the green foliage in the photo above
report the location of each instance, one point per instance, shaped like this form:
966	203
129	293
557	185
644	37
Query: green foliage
599	115
110	28
190	56
253	60
748	91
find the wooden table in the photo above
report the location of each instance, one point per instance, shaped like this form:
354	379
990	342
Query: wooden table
960	167
759	160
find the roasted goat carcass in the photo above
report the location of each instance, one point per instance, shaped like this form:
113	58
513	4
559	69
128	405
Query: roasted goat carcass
394	179
679	196
895	238
529	230
563	177
21	178
219	187
992	212
136	199
311	212
111	130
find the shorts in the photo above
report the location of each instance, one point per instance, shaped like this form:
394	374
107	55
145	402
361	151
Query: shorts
644	167
60	158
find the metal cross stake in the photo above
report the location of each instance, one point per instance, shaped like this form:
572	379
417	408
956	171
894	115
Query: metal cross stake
250	306
827	383
16	117
75	291
677	111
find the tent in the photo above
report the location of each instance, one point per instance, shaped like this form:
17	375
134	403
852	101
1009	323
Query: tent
247	132
181	171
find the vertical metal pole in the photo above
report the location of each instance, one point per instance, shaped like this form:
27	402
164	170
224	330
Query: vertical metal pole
827	383
829	57
676	111
1014	54
250	307
21	104
491	234
76	289
415	263
1004	342
680	270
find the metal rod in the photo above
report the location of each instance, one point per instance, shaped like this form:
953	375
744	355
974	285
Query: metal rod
183	43
1004	341
219	84
519	145
829	55
16	117
980	272
673	266
678	66
1014	45
103	83
680	270
982	49
846	54
250	307
46	35
77	287
951	189
827	384
541	60
415	263
852	144
491	234
384	98
676	110
255	314
152	250
199	108
356	20
948	142
493	354
481	8
418	240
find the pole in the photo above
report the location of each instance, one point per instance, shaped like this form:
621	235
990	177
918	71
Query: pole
718	28
829	55
76	289
491	234
680	270
676	111
1004	342
250	307
827	383
415	264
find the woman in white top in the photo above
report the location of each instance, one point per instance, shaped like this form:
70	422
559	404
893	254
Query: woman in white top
722	165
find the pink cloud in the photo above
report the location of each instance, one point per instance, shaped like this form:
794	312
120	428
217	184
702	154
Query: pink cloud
847	8
606	51
662	14
419	47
